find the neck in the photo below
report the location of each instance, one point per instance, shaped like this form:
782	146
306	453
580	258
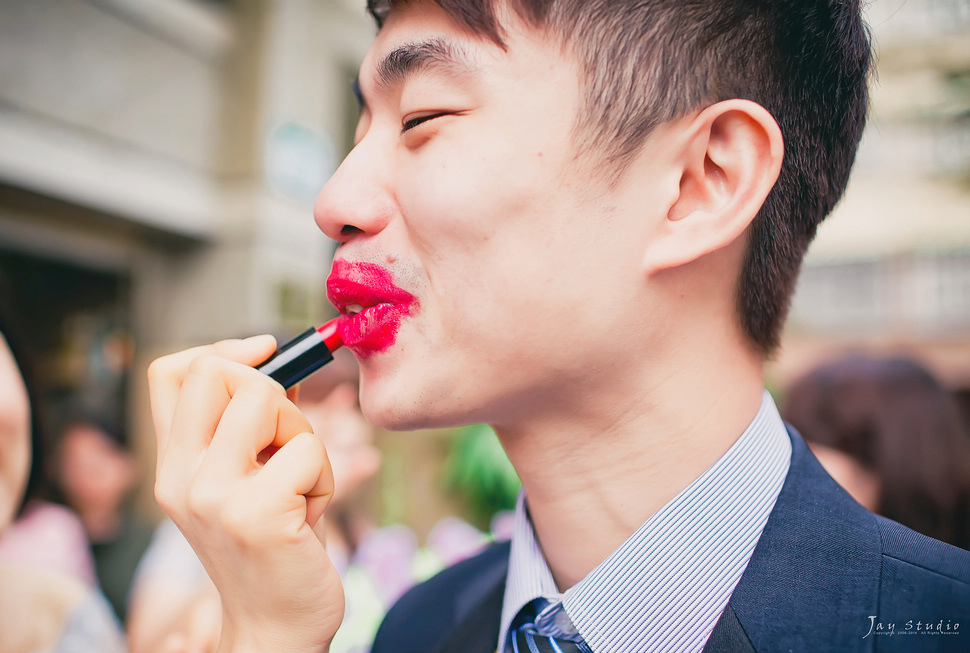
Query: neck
593	474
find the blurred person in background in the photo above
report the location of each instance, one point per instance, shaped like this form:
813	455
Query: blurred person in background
893	437
46	534
42	609
96	474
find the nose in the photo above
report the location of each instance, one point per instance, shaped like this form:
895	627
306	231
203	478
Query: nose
355	201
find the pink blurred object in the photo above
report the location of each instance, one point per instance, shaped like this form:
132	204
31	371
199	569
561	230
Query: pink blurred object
387	554
503	523
453	540
48	536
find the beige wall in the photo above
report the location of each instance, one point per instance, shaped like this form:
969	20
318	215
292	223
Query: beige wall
180	144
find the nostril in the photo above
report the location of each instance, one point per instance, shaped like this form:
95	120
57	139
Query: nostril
349	230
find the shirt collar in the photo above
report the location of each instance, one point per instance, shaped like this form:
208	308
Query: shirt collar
679	567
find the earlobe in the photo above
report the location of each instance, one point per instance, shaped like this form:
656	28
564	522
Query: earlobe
731	158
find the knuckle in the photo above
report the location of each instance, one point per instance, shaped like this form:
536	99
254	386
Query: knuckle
202	501
154	368
205	365
256	400
238	520
262	396
312	446
306	449
166	497
265	393
159	368
271	387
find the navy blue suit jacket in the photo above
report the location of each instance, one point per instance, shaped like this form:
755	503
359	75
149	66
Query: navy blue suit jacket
825	575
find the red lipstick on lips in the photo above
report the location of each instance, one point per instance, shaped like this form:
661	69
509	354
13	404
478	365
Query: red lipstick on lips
372	306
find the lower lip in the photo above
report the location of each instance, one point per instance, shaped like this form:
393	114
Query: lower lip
375	328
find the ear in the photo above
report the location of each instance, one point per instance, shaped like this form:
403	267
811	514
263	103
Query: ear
731	157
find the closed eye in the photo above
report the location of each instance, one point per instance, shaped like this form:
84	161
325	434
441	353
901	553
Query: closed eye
414	122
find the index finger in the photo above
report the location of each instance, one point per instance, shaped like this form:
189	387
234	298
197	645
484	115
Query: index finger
167	374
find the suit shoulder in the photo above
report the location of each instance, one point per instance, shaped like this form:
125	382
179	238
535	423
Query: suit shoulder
436	605
922	552
919	572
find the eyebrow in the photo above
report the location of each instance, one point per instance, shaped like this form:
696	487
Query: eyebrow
412	58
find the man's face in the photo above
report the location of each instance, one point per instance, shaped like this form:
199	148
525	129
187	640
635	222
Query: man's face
465	193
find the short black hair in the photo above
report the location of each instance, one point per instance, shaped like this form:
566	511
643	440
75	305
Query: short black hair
647	62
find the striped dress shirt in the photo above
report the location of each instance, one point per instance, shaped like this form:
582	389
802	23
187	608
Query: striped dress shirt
665	587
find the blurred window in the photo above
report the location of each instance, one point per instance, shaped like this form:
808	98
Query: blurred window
928	293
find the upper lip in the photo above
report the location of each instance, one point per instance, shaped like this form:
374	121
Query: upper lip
359	284
346	294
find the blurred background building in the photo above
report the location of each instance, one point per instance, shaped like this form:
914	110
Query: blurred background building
158	164
159	161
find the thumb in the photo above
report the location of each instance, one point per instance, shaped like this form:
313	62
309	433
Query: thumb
251	351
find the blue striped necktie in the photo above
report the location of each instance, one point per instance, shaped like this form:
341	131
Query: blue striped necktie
523	637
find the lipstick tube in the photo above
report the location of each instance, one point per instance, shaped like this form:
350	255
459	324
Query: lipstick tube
303	355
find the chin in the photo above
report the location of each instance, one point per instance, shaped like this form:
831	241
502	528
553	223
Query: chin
392	417
398	405
386	406
398	415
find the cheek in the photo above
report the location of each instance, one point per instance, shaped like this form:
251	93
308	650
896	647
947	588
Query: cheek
472	209
491	237
476	165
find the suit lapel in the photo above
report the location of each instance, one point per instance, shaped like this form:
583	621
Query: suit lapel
478	631
478	611
728	635
814	575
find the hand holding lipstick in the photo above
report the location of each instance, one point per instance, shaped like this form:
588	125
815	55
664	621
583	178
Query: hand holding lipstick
249	517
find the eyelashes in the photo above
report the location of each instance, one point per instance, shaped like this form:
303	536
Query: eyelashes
414	122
